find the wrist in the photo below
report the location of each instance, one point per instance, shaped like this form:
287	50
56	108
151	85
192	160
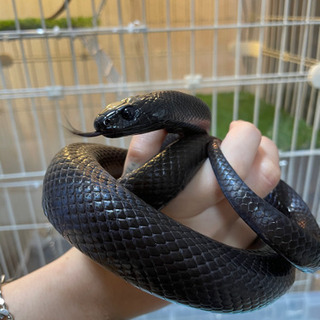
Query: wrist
80	289
111	295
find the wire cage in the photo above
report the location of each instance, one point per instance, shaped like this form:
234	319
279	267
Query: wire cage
251	60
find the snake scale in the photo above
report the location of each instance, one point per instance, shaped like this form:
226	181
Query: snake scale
116	220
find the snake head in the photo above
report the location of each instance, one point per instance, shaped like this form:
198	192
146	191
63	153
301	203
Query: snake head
174	111
129	116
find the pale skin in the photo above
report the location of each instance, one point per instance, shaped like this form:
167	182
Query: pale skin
74	287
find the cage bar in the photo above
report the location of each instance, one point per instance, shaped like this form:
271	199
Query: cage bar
269	52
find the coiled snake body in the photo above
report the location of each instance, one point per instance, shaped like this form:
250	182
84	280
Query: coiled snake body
116	221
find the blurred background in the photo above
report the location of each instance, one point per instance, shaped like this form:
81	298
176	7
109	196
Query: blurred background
256	60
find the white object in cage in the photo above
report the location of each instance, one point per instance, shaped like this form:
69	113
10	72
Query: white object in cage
314	76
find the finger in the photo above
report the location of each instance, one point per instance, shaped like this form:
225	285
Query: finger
265	172
142	148
239	147
262	178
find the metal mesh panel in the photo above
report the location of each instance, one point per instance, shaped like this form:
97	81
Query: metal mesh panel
50	74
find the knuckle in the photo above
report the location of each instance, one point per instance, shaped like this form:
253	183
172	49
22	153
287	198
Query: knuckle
270	169
249	127
136	151
271	174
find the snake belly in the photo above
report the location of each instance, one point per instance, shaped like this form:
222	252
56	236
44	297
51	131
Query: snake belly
115	220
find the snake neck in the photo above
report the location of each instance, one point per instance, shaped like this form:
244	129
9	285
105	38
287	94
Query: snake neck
181	112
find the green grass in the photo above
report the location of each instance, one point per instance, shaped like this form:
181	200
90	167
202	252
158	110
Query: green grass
35	23
266	118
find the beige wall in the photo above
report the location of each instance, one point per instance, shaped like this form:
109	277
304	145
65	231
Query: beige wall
157	45
33	59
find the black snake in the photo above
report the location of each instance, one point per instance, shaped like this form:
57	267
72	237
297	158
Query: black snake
116	221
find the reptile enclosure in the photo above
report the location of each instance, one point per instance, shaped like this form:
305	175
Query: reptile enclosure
248	59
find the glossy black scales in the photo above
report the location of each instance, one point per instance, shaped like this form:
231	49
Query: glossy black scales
116	223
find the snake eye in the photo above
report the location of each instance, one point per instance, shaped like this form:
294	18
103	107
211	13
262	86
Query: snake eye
106	122
128	113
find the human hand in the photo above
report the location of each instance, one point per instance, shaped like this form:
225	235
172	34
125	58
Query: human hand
201	205
84	289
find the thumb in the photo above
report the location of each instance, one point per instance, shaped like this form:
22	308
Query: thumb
142	148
